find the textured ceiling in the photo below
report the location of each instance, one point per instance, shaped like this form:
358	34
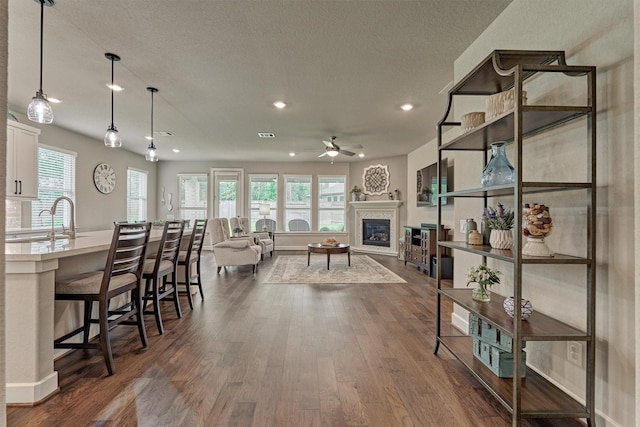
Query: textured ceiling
344	67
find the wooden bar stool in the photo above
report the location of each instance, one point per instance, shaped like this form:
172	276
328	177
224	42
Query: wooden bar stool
158	267
191	255
122	274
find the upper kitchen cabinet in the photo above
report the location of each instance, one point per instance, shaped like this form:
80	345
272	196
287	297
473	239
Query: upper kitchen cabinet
22	161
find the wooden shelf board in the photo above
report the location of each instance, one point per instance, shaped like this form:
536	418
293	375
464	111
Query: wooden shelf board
535	118
538	327
539	397
483	79
528	187
507	254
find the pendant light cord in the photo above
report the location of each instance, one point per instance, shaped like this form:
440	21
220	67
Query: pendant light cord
152	120
41	38
112	126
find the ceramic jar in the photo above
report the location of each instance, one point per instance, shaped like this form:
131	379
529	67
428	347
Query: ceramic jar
501	239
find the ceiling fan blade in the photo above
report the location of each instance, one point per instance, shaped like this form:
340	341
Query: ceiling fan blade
346	153
329	144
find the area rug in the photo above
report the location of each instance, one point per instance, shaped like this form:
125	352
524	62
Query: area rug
293	269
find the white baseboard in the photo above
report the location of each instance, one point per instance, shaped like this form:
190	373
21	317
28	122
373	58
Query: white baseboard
32	393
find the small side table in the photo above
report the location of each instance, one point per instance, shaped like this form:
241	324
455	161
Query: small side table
319	248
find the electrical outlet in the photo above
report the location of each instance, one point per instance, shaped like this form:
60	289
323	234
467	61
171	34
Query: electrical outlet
463	225
574	352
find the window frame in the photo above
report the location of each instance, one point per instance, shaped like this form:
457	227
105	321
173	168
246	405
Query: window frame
319	209
182	209
286	208
63	214
140	198
254	205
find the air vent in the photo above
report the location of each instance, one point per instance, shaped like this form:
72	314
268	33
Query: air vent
266	134
164	133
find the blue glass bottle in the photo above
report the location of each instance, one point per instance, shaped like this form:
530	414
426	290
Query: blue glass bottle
498	171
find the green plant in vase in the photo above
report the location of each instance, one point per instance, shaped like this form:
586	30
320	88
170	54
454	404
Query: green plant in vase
500	222
355	193
484	277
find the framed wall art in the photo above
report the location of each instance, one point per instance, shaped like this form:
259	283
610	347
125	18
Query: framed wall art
375	179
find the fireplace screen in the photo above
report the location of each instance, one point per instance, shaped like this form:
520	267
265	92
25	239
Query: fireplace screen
376	232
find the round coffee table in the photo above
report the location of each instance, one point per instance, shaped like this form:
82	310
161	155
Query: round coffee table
319	248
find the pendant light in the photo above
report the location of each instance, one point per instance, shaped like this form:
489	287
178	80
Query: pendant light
152	153
39	110
112	137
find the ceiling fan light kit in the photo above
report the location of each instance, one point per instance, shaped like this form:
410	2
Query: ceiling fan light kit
112	138
39	110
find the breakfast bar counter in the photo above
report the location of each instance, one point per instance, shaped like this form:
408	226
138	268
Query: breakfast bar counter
33	318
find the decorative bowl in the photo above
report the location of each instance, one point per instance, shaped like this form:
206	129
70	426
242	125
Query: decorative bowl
525	311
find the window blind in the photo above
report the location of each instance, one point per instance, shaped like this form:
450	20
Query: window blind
136	195
56	177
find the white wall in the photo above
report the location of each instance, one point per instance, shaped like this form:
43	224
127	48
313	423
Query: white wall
595	33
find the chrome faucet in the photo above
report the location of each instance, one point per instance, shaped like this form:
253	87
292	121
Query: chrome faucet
72	222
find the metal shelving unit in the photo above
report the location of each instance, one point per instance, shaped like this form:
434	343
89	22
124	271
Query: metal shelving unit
535	396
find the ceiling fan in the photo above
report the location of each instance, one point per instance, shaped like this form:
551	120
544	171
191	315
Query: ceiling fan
332	149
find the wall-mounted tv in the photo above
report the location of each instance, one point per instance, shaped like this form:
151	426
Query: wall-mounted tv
427	183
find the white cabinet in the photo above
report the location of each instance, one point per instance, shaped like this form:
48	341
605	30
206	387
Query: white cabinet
22	161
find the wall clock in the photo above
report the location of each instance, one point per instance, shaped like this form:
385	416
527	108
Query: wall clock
104	178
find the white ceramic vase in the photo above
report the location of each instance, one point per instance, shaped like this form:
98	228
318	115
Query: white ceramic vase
525	307
501	239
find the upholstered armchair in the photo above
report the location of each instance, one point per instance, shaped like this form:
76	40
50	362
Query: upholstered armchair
265	240
232	252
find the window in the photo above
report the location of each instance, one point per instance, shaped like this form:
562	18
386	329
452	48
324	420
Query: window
263	190
136	195
193	197
331	203
297	202
56	177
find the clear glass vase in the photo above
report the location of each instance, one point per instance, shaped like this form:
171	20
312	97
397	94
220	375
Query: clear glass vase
498	171
481	293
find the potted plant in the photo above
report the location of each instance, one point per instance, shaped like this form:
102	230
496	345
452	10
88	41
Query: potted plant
500	222
484	277
426	194
355	193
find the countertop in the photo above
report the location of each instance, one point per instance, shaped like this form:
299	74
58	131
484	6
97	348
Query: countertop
84	243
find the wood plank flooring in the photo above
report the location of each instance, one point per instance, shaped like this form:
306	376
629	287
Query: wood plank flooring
255	354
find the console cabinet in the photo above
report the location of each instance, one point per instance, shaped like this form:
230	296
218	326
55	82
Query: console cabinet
526	127
22	161
420	245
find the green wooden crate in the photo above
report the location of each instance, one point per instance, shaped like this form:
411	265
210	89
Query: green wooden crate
500	362
485	331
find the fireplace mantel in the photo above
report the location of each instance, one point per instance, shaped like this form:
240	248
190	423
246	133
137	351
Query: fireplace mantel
376	209
377	204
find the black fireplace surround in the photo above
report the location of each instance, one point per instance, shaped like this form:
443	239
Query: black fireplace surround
376	232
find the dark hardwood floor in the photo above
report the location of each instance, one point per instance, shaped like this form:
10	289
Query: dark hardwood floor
255	354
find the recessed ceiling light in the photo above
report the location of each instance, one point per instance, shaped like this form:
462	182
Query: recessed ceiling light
292	154
279	104
175	150
148	138
407	107
115	87
54	100
361	155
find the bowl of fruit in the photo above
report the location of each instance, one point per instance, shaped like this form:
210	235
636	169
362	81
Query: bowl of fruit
536	225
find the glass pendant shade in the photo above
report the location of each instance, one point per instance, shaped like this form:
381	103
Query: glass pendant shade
112	138
39	110
332	153
152	152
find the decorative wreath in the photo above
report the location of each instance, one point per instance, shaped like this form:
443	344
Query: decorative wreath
376	179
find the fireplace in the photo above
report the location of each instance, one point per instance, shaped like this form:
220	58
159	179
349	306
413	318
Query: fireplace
376	226
376	232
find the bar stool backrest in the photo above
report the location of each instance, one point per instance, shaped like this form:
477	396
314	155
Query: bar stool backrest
127	252
170	243
197	240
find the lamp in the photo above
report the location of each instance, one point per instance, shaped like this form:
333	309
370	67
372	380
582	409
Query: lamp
112	138
39	110
332	152
265	209
152	153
